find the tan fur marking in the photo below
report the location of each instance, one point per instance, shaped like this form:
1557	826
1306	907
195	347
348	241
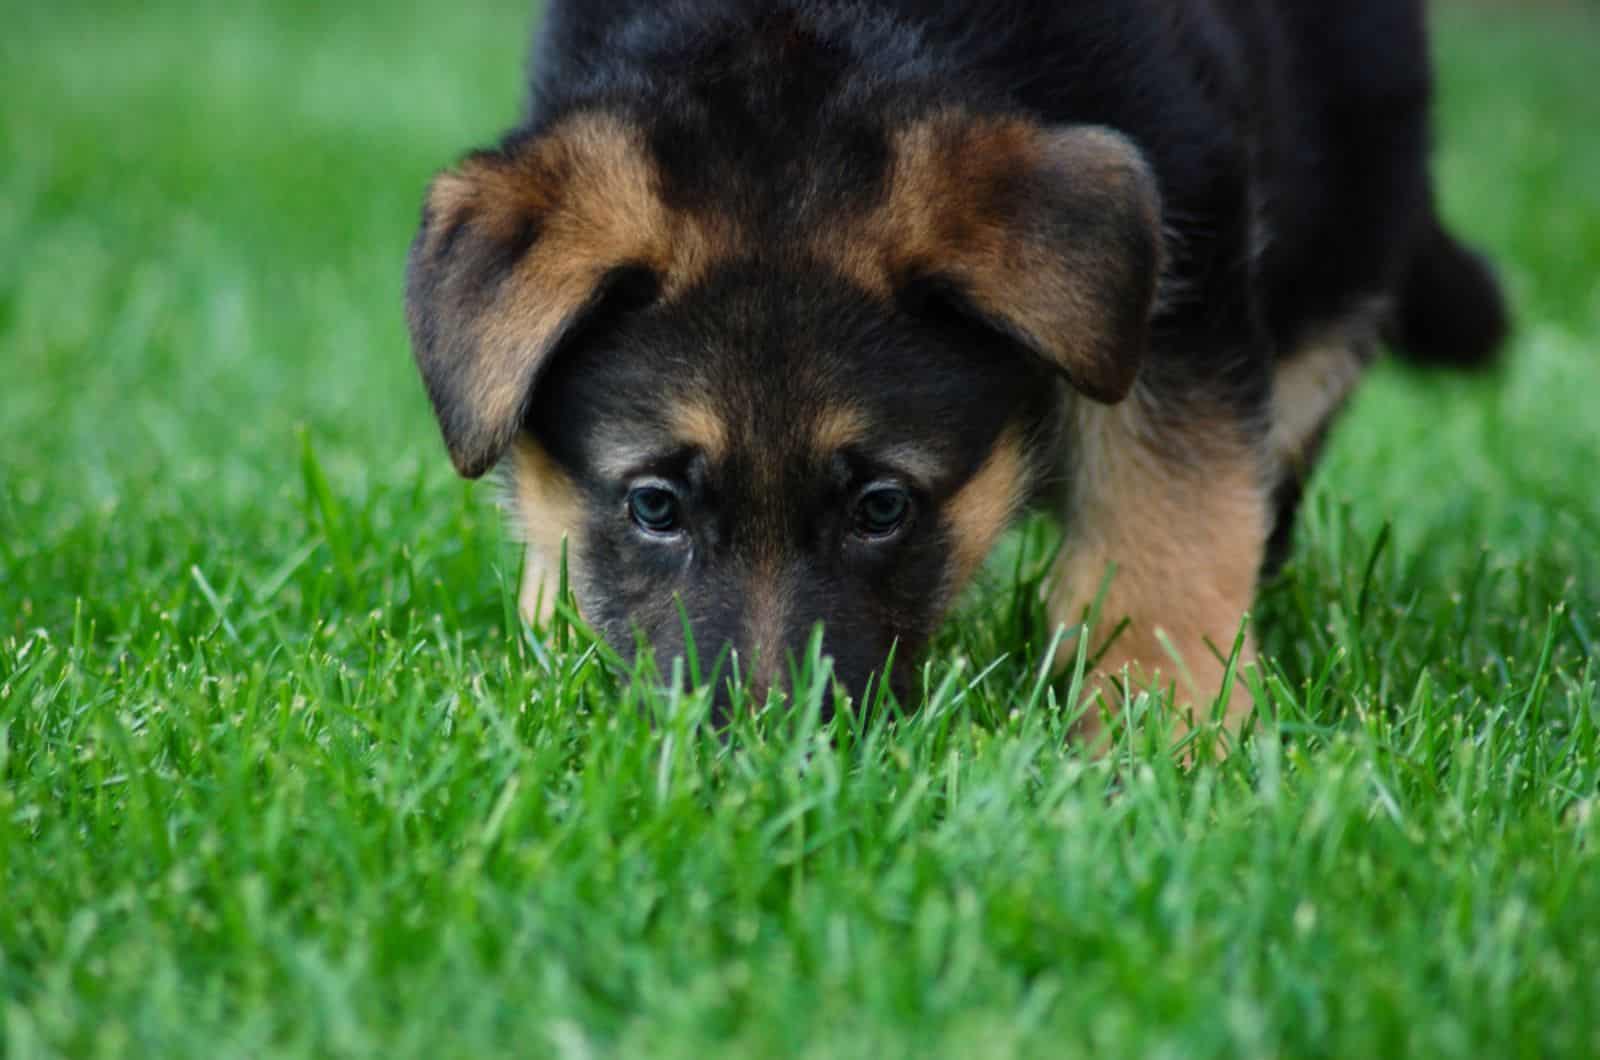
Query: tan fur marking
591	192
941	171
700	426
956	207
547	510
1313	384
767	615
837	428
1186	532
983	507
1306	392
911	460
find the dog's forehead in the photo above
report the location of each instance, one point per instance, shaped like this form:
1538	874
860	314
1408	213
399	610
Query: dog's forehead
777	368
769	432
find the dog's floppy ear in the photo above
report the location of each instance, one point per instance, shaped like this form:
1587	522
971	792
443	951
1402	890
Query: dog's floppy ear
518	244
1051	236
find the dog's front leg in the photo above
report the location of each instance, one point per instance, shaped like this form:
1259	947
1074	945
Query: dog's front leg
1168	512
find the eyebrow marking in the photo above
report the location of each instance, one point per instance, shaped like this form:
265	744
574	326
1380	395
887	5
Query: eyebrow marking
619	461
837	427
912	462
697	424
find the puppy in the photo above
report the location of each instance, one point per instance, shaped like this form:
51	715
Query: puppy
778	312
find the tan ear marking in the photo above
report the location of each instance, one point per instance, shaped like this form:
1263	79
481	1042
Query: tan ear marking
1053	236
516	246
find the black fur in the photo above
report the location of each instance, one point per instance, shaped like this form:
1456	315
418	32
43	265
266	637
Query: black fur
1450	309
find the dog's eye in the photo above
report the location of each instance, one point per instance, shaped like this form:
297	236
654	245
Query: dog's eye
654	509
881	511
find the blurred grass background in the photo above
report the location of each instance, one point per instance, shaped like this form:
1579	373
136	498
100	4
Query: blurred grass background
278	776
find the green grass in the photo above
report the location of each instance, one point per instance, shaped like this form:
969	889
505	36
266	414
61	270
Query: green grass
279	775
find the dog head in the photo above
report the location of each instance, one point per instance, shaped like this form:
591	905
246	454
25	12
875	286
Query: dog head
748	413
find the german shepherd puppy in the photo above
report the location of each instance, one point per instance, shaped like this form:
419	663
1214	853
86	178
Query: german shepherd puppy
780	311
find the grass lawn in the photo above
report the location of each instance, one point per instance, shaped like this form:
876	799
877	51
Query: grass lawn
280	776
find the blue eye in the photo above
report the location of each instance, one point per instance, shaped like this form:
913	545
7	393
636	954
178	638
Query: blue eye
654	509
881	511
